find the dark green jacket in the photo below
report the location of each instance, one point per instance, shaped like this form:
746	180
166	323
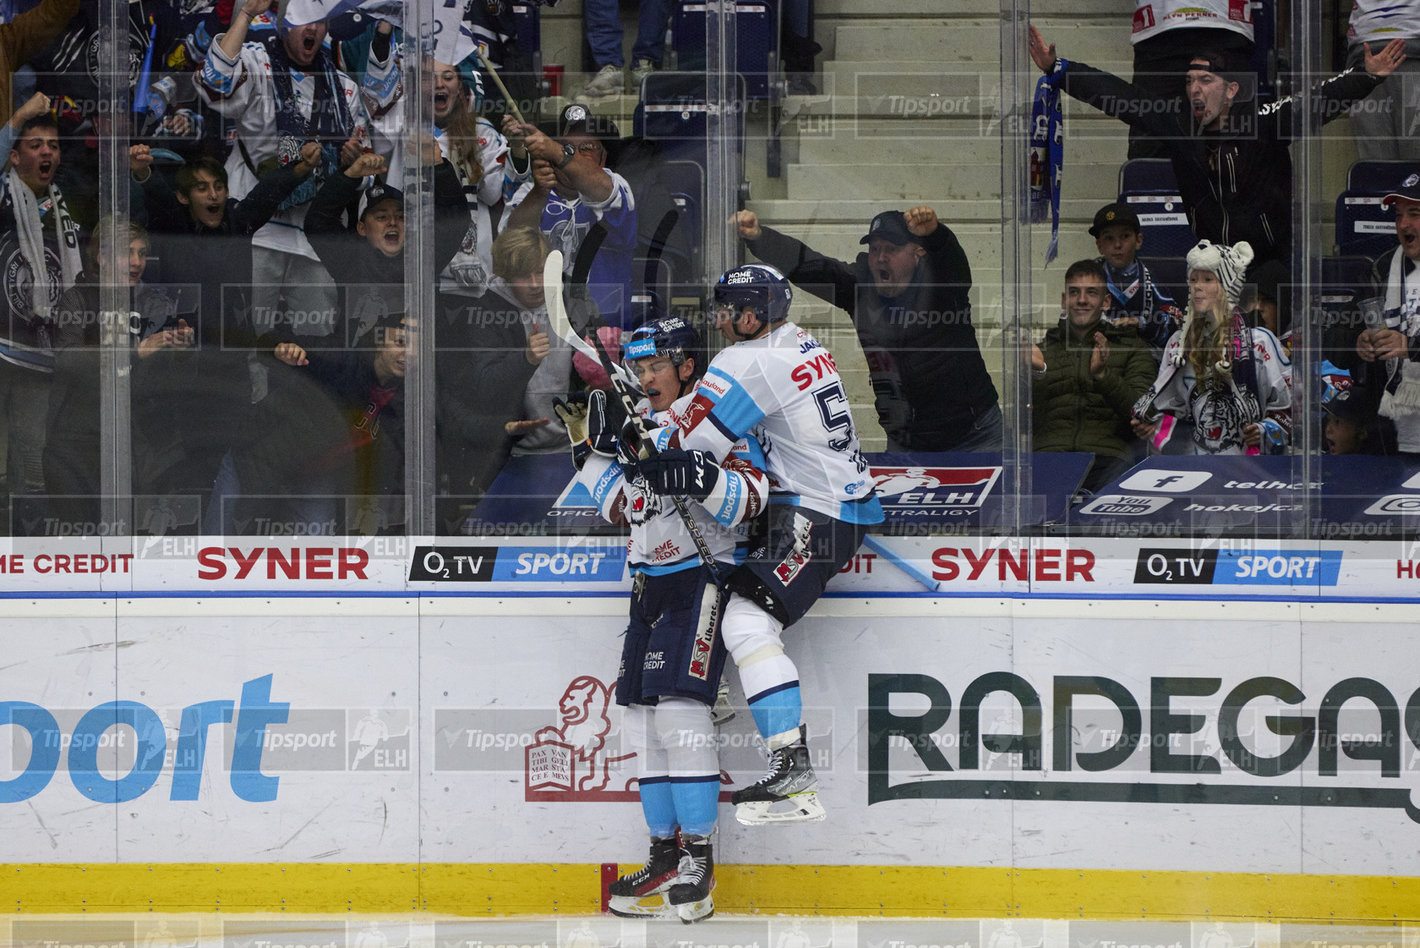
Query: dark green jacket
1072	410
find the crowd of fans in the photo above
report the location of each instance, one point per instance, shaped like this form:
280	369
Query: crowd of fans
266	319
1129	371
268	328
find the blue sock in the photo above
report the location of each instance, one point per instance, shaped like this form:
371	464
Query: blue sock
696	801
658	805
777	710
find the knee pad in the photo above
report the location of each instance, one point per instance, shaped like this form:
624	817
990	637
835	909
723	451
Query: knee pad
751	634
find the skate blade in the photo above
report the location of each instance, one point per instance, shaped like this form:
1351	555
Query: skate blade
650	906
696	911
797	808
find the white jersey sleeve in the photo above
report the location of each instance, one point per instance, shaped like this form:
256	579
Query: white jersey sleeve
784	388
660	541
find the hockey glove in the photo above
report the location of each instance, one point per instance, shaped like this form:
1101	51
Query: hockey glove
632	450
602	424
588	428
677	472
573	413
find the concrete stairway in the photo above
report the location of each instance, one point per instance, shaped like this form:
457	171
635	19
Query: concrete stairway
910	115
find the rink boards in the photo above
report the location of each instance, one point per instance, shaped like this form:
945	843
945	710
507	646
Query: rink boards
1043	735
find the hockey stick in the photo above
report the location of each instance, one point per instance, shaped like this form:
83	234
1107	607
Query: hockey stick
561	325
557	306
557	316
493	73
901	562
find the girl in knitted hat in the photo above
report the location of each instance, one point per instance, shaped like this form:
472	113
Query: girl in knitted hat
1222	388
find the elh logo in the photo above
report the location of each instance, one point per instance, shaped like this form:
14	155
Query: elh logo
1166	481
572	760
935	486
379	740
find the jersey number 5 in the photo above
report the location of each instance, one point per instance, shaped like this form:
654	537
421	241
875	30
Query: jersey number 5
833	411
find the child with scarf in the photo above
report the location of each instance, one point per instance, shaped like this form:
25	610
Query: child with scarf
1135	299
1222	387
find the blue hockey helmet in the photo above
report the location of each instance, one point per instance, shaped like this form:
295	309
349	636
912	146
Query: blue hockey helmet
669	336
758	286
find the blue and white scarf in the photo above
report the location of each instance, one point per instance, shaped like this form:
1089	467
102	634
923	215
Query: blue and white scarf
1047	151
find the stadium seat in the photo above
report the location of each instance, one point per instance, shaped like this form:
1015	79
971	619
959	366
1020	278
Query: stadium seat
1165	226
652	287
1351	275
1378	177
1364	227
686	182
674	111
1147	176
756	46
1150	189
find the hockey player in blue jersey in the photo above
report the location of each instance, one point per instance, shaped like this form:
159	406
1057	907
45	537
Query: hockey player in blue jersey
673	653
776	382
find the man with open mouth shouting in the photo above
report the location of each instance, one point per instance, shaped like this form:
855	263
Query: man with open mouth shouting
1230	155
39	260
278	84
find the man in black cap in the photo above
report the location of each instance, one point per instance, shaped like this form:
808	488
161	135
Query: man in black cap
1136	299
570	191
1231	157
907	297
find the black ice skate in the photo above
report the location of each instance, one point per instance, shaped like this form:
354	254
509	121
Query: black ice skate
690	896
642	894
787	793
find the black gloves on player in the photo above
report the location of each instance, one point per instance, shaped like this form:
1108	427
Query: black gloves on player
591	425
680	473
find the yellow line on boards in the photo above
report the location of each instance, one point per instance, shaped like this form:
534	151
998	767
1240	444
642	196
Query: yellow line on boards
495	889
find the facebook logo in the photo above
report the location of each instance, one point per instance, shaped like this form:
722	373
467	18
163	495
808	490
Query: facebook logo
1165	481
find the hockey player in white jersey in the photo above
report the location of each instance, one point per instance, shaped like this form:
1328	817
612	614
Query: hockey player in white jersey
674	653
779	383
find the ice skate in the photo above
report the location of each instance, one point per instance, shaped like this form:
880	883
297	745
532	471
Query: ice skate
788	793
690	896
642	894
